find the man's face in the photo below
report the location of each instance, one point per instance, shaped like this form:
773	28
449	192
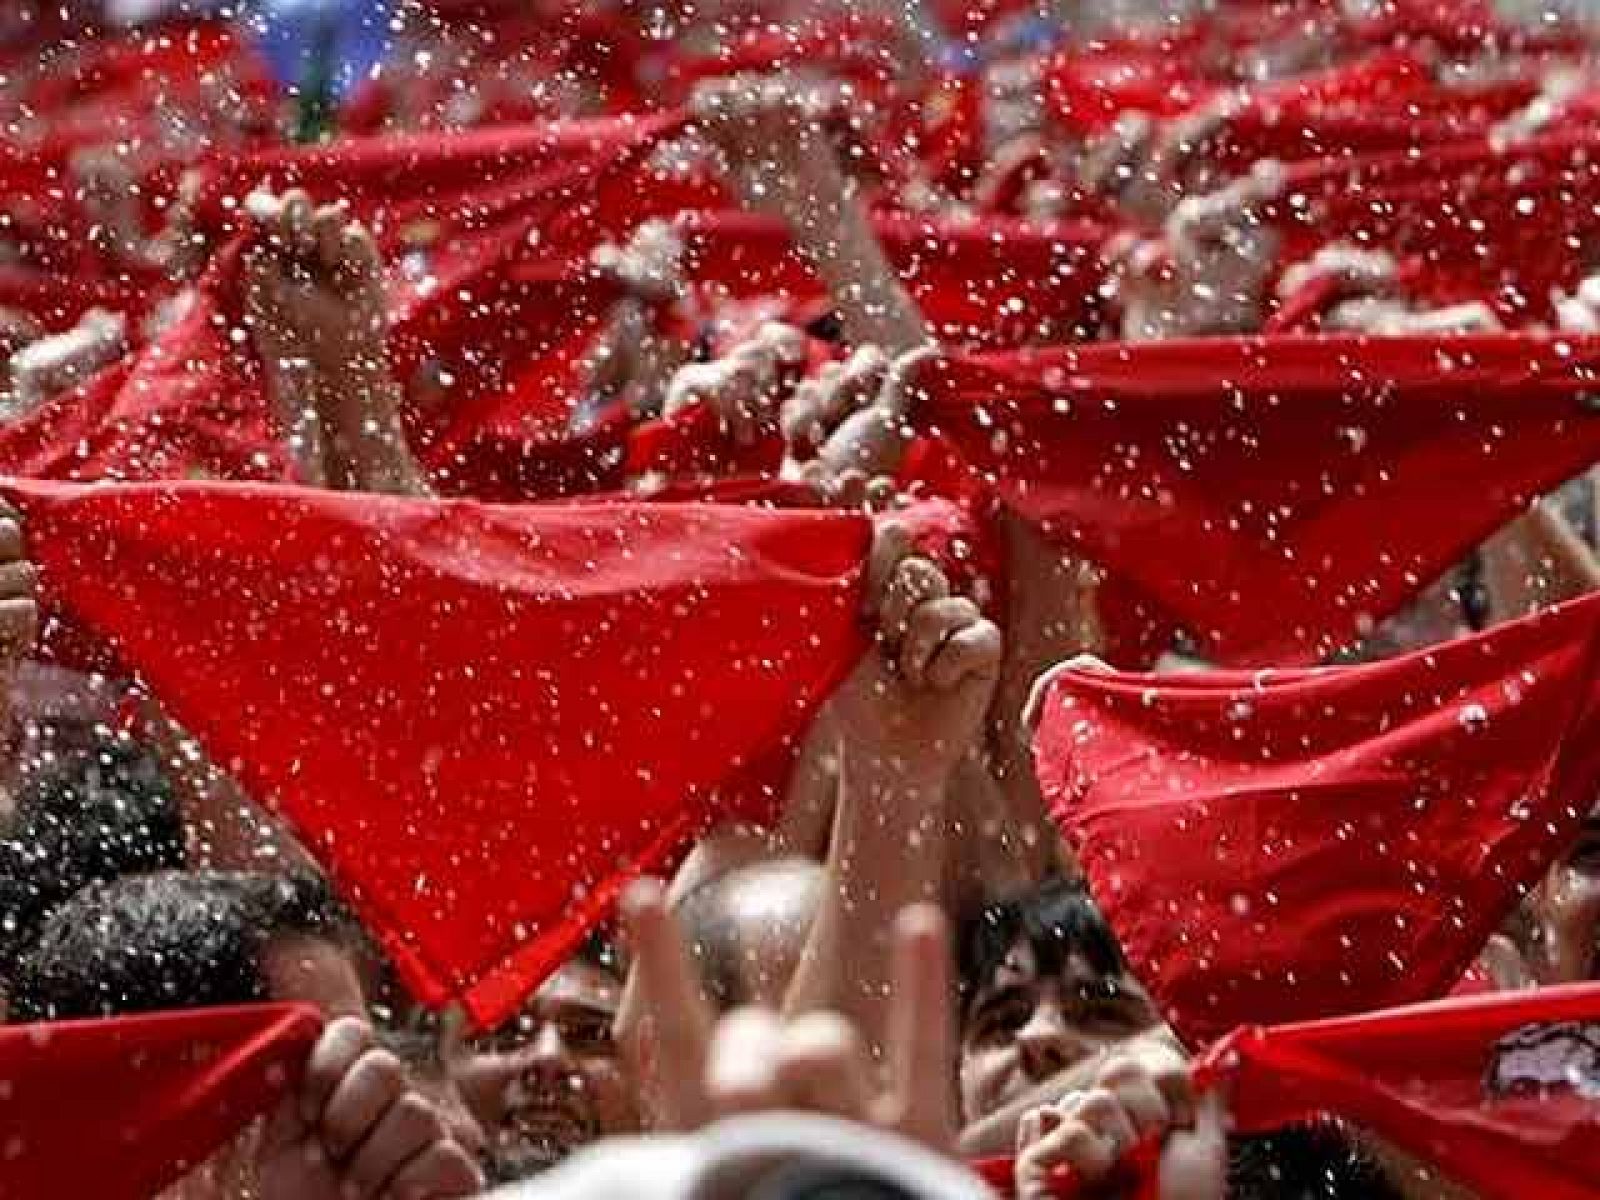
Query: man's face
1024	1028
550	1081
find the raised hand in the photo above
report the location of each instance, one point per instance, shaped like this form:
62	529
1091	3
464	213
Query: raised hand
753	1060
357	1127
1129	1102
921	700
649	266
314	281
745	388
869	443
314	304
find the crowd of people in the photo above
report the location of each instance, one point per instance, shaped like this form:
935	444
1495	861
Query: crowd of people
801	600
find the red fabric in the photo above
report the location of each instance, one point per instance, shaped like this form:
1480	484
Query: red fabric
1432	1081
121	1108
1504	226
190	403
455	190
988	283
498	303
1085	94
991	282
1236	482
1286	845
483	721
57	301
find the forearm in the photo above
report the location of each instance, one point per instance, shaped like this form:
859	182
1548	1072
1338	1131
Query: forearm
1051	616
366	446
831	227
994	850
229	830
805	826
887	853
1536	561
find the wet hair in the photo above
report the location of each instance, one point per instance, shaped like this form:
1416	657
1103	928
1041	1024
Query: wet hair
1309	1162
170	940
1058	918
97	815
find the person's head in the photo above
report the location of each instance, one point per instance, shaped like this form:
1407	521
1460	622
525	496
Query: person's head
549	1080
172	940
746	929
1043	986
95	815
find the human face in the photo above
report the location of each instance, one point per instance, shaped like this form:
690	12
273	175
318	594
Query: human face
1024	1028
549	1081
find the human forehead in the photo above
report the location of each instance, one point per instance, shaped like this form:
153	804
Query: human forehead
577	985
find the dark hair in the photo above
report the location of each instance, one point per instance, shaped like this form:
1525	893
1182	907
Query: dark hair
1307	1162
98	814
602	952
1058	918
169	940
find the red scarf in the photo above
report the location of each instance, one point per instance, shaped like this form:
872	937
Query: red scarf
1499	1092
1504	226
1287	845
193	402
121	1108
1237	481
484	721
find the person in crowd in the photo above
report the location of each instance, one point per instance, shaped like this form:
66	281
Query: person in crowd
551	1080
904	973
169	940
94	817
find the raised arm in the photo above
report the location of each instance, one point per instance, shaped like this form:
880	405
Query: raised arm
907	718
316	311
781	162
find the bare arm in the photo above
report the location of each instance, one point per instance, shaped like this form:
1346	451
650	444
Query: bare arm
1052	618
1536	561
887	852
782	163
366	448
907	718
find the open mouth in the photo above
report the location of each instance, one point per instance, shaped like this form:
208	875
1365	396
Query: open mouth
546	1133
